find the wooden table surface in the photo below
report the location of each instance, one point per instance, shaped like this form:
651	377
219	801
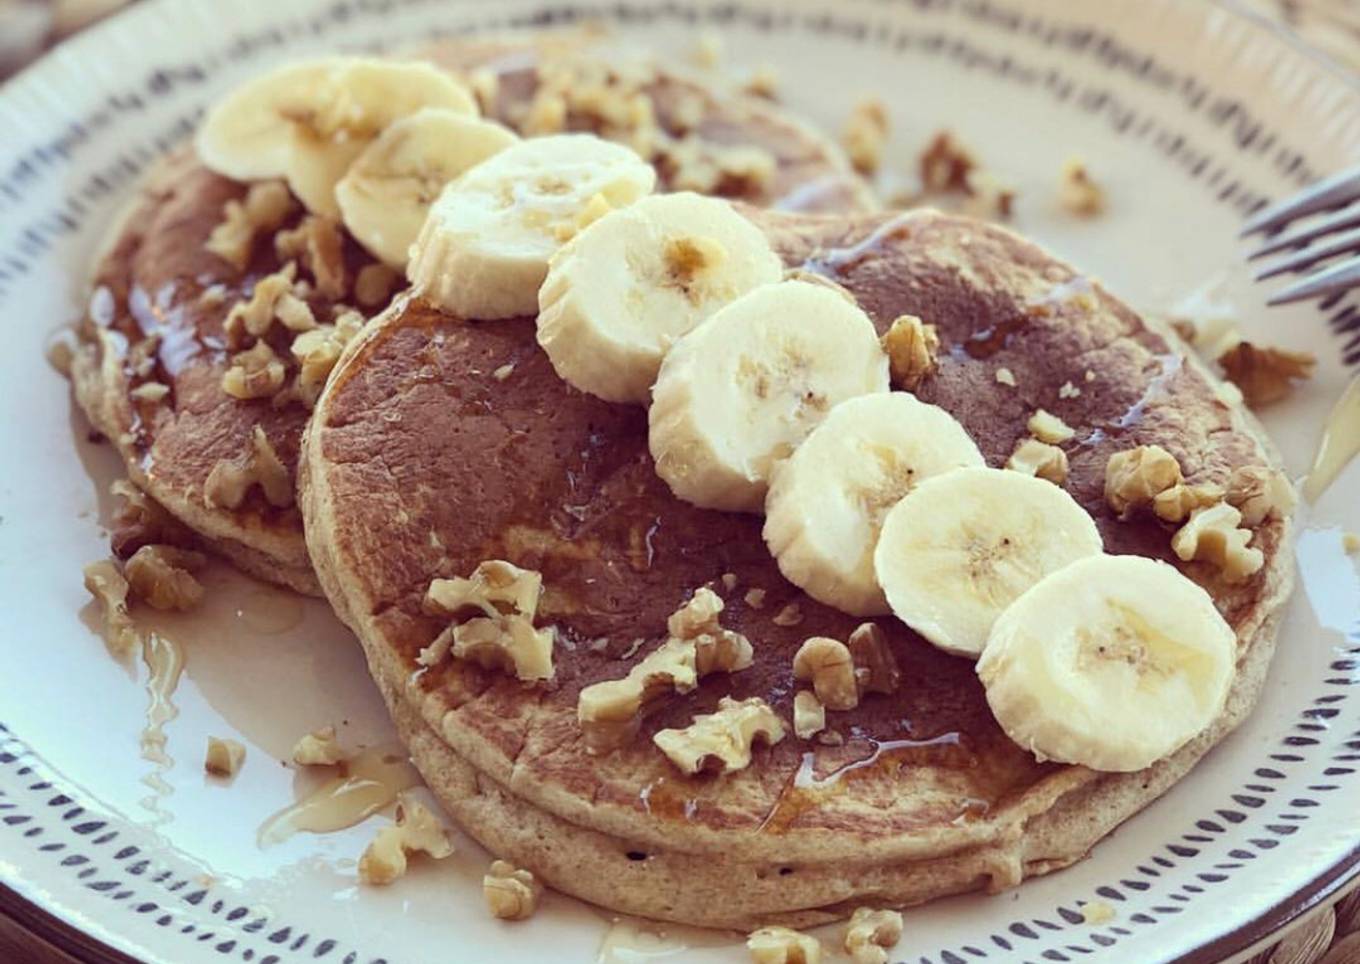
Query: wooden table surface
1332	934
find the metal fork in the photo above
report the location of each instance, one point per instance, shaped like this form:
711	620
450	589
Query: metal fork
1319	240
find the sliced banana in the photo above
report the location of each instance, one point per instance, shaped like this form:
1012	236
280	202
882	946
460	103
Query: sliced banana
308	122
962	546
483	251
387	191
826	503
1112	662
623	290
744	388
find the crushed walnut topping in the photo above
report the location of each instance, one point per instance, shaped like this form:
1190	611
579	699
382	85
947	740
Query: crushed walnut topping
610	711
724	737
1213	535
163	577
870	933
110	590
254	373
1136	476
1260	493
790	615
828	665
502	372
318	748
265	207
694	164
763	82
866	131
989	196
317	352
876	669
274	297
374	284
1265	374
503	637
1077	193
755	598
1033	457
139	520
809	715
1068	390
1176	503
729	581
783	945
417	830
945	164
1047	427
230	479
486	85
910	345
224	757
319	244
1004	376
511	893
153	392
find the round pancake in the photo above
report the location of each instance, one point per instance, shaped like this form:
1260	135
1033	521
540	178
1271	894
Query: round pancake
418	465
152	279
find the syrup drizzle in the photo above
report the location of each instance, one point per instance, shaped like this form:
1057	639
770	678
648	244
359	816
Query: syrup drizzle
367	783
829	262
1340	442
165	664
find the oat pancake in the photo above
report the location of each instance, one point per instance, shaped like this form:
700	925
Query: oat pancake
153	278
420	465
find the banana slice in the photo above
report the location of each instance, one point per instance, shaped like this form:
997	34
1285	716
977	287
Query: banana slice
744	388
308	122
386	193
624	289
1112	662
827	501
962	546
483	251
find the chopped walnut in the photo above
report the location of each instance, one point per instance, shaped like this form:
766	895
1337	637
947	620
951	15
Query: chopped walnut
790	615
317	352
755	598
763	82
876	669
504	638
318	748
110	590
511	894
1260	493
230	479
725	736
150	392
782	945
417	830
870	933
495	587
1040	459
1068	390
1077	192
374	284
708	49
1136	476
319	244
697	616
945	164
547	113
254	373
911	346
266	206
1265	374
708	168
865	134
139	521
1047	427
163	577
502	372
827	663
255	316
989	196
1004	376
224	757
809	715
1350	543
1176	503
1212	535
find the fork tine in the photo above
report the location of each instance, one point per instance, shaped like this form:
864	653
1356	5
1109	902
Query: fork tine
1330	247
1329	192
1338	277
1339	221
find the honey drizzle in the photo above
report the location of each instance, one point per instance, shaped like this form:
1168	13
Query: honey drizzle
367	783
165	664
1339	444
835	261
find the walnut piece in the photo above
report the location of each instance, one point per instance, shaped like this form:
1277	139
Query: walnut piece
1004	376
876	669
762	82
224	757
374	284
417	830
317	352
110	590
319	244
162	576
153	392
1263	373
1040	459
790	615
865	133
1350	543
255	373
1077	192
610	712
1176	503
754	597
911	346
139	520
504	638
827	664
230	479
1136	476
989	196
318	748
274	297
266	206
945	164
1047	427
725	736
783	945
870	933
809	715
1260	493
511	894
1212	535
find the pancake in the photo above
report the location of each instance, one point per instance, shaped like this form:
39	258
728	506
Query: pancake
417	465
153	279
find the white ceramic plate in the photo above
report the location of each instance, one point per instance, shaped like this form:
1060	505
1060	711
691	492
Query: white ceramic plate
1190	114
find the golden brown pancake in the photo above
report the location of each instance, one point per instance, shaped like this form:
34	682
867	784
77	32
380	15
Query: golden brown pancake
153	278
419	465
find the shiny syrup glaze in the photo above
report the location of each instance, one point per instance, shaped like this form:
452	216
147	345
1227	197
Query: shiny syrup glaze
365	784
164	660
1340	442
